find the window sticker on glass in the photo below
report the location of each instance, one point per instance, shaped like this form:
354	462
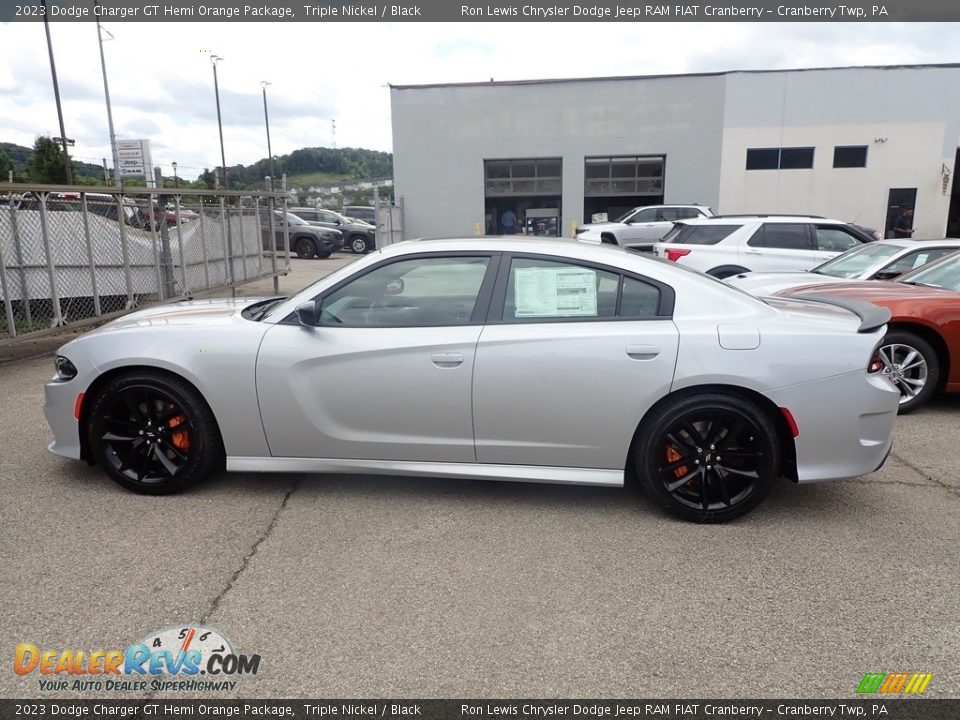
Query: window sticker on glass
555	292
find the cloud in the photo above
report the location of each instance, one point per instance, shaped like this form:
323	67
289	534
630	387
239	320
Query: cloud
161	79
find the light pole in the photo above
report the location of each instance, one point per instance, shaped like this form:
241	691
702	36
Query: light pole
56	93
266	120
106	93
214	59
176	180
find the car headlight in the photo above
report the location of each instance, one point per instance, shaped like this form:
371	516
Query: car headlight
66	370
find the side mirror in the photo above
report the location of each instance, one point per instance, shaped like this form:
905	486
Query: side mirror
307	313
888	274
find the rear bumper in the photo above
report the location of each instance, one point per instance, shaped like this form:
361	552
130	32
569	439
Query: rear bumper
845	424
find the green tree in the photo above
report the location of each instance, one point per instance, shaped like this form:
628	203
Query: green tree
46	163
6	165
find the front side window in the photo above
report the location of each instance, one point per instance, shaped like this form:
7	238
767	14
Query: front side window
418	292
835	239
917	259
645	215
943	274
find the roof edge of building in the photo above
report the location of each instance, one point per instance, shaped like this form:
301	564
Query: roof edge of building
615	78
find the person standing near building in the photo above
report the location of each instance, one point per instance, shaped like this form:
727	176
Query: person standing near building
508	222
903	225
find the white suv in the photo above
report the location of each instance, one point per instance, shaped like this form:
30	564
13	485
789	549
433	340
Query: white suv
726	245
640	228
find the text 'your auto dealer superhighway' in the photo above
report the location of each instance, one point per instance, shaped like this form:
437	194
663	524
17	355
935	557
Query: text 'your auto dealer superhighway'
679	11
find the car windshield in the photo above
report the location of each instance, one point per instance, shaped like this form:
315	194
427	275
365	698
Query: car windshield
294	220
942	274
855	261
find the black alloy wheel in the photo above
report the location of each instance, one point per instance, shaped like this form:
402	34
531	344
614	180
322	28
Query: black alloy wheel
153	433
708	458
304	248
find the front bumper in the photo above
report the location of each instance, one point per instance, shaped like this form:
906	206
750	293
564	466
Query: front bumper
845	424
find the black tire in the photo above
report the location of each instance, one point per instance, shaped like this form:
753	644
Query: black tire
153	433
725	271
912	365
304	248
324	253
685	442
359	244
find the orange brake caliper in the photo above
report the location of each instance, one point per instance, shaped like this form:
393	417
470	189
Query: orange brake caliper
672	457
181	438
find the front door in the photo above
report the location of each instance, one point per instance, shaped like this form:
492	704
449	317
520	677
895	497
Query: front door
386	374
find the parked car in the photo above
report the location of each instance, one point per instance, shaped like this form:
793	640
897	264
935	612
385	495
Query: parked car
465	359
358	236
881	260
726	245
306	240
367	213
186	214
642	226
921	350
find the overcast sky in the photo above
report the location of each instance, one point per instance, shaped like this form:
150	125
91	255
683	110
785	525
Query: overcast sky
161	81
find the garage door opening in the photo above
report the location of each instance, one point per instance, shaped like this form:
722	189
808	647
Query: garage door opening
614	185
522	196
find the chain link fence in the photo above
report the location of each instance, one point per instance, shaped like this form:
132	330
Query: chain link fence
72	253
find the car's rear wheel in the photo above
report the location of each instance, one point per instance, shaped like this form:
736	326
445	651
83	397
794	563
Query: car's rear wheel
912	365
708	458
304	248
359	244
153	433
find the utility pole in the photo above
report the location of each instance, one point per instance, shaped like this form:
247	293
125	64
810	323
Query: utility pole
56	93
266	119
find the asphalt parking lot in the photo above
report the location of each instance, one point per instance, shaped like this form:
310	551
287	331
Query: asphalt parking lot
354	586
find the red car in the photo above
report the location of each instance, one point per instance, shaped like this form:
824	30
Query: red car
921	350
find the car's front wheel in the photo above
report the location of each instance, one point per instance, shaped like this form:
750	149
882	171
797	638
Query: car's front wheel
708	458
304	248
912	365
153	433
359	244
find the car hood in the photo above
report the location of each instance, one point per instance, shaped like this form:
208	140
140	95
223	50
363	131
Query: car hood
876	291
185	314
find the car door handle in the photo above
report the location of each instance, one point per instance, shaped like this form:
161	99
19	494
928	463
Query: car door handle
752	252
643	352
447	359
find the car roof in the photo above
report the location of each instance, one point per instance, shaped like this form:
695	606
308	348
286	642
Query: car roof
726	219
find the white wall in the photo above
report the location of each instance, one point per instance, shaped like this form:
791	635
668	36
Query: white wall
911	157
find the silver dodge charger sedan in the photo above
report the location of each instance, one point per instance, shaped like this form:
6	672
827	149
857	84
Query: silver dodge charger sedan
529	360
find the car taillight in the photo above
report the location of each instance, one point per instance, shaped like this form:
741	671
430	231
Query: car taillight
876	363
674	254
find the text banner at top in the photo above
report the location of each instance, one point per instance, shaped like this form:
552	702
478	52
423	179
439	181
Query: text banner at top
474	11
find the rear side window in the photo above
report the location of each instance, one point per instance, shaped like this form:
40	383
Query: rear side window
699	234
785	236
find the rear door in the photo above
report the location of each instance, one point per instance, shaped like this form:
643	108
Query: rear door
779	247
571	358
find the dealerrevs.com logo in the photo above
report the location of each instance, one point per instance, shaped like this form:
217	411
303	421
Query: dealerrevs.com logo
182	658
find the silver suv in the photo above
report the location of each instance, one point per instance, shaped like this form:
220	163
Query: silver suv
641	227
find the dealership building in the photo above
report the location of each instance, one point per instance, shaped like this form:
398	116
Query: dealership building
855	144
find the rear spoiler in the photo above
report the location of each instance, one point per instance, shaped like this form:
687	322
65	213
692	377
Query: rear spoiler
871	316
